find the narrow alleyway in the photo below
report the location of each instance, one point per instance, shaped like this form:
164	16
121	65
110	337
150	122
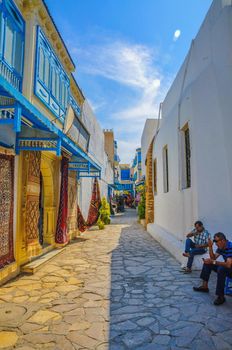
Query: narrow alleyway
114	289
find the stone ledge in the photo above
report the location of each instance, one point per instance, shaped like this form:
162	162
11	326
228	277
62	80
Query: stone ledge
35	265
174	246
8	272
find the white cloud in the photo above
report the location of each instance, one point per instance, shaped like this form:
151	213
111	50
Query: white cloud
126	150
96	106
176	35
133	67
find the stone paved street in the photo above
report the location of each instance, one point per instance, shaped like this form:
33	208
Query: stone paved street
114	289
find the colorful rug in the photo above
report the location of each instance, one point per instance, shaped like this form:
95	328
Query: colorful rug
6	209
94	204
62	227
94	207
81	223
32	197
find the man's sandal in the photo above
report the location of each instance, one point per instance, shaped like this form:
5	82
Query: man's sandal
201	289
187	270
184	269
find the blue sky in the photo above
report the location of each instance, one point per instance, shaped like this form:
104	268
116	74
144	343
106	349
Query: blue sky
127	55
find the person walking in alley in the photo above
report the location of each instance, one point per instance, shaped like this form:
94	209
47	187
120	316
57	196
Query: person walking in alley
196	246
223	269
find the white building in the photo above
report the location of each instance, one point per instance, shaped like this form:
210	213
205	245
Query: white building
97	153
192	162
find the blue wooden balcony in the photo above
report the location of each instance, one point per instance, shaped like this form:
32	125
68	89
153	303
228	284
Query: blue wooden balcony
12	40
11	75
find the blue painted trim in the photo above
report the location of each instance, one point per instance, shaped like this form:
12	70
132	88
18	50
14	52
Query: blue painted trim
6	121
37	139
28	148
75	105
6	146
17	118
56	149
83	170
36	117
89	176
6	106
17	144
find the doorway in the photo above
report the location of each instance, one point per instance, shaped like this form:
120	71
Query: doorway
41	212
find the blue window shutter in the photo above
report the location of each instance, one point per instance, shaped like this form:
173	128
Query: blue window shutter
46	70
61	90
53	80
1	32
41	64
57	85
9	42
18	55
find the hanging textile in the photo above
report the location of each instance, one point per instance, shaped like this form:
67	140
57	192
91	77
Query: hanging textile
93	209
81	223
72	202
94	204
6	209
32	197
62	227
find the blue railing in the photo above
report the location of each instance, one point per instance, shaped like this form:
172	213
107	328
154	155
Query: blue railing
10	75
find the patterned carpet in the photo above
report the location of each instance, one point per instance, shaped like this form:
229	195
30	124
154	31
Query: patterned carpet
6	209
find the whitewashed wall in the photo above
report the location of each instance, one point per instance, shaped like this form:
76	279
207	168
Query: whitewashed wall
97	153
203	88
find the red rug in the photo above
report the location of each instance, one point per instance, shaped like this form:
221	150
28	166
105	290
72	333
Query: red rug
62	226
6	209
94	207
81	223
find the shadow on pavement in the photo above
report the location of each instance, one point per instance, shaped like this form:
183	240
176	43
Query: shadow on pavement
153	305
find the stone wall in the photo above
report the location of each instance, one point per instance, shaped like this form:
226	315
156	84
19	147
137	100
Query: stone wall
149	214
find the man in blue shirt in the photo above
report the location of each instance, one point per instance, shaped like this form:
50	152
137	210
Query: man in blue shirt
223	269
196	246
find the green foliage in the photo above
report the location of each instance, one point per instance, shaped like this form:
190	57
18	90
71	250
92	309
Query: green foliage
142	206
104	214
140	188
100	223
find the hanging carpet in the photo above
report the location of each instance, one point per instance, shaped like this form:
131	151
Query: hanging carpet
62	226
32	196
94	207
6	209
81	223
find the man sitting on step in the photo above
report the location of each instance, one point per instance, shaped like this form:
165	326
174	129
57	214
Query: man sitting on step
223	269
196	246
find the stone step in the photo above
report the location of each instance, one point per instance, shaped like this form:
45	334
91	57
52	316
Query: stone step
36	265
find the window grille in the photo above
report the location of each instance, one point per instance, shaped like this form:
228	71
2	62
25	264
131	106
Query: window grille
165	169
186	158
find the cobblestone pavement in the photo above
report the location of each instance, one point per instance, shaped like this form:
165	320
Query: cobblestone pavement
114	289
